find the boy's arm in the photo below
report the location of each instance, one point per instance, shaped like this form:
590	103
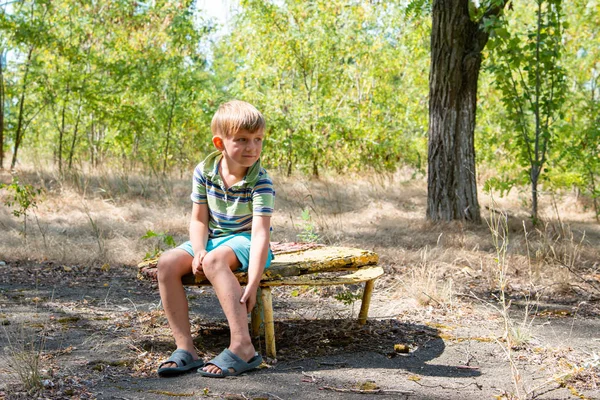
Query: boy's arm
259	250
199	234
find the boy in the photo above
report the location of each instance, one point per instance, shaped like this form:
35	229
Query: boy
229	230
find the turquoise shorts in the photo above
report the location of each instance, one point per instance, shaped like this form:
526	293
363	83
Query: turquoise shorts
239	243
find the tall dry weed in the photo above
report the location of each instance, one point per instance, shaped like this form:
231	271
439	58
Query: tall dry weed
558	247
427	283
498	225
23	356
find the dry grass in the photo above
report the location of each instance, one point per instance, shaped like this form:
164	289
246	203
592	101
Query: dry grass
100	217
23	356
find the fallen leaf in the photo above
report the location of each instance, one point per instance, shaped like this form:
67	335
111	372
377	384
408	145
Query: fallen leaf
401	348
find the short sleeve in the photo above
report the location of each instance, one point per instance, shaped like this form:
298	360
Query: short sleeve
263	196
198	186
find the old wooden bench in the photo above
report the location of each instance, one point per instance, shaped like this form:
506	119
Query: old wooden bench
299	264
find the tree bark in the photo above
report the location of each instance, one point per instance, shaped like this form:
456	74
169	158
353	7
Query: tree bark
169	127
456	46
75	130
61	131
1	109
20	131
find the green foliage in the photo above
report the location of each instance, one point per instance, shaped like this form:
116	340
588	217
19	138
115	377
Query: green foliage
529	74
165	241
572	153
418	7
108	83
22	198
343	85
348	297
309	230
578	160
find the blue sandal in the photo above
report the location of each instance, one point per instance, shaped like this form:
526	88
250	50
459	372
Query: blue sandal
183	359
231	365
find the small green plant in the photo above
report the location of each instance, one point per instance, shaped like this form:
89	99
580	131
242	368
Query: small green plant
347	297
22	198
164	238
309	230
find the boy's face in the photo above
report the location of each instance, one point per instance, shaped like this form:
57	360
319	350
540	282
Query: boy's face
242	148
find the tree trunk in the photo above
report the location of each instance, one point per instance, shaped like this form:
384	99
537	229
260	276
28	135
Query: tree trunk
1	109
169	127
456	45
19	133
290	153
74	141
91	137
61	132
534	194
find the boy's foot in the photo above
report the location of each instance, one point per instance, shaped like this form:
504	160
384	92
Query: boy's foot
181	361
229	364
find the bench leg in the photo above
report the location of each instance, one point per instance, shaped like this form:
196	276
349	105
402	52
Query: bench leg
366	302
267	304
256	316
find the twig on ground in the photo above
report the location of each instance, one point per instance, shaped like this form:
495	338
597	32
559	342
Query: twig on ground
467	367
479	386
313	379
431	298
333	364
373	391
171	394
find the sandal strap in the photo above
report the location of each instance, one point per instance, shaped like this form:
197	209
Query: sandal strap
227	361
180	357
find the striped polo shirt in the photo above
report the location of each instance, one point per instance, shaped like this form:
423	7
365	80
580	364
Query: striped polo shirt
231	209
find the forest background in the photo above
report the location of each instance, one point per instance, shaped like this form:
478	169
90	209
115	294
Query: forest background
106	109
132	86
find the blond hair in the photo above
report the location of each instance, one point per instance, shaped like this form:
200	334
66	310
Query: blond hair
236	115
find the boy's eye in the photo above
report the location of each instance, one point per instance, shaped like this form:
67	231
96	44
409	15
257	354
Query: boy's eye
240	139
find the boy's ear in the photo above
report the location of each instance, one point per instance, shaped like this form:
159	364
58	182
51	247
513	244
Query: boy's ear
218	142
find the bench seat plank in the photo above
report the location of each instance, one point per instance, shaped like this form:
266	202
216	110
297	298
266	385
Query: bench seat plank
288	264
362	275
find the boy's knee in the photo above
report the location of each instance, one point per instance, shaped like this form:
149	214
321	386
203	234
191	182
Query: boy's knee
212	264
166	265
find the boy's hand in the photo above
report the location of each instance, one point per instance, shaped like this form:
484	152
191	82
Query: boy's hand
249	298
197	262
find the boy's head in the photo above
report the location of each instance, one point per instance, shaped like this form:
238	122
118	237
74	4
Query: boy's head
236	115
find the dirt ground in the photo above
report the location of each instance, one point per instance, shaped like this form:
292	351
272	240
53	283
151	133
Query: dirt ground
104	335
72	307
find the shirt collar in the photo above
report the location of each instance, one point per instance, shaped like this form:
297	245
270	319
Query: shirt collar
211	170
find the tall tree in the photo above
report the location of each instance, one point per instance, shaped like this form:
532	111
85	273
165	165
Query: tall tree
2	108
531	78
458	36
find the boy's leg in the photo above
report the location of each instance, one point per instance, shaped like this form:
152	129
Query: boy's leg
172	265
218	266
